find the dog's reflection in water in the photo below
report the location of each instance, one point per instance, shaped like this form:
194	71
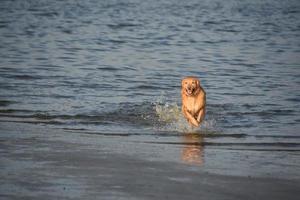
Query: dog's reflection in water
192	152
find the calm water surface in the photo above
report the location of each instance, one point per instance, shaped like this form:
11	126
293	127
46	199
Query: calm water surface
114	67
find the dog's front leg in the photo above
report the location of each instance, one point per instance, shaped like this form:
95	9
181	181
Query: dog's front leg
201	115
190	117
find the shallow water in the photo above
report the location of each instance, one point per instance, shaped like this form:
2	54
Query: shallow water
114	68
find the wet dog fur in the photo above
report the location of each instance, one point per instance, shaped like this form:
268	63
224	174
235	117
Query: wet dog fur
193	100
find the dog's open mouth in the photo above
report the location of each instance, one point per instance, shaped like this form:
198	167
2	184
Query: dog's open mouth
190	91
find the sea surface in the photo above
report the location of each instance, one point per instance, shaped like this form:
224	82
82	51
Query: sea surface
112	67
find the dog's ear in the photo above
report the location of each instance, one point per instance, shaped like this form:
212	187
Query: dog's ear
182	83
198	83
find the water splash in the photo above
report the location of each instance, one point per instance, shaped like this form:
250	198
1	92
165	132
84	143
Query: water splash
168	113
170	118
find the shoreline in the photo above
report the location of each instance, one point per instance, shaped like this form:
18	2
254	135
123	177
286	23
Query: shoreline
39	162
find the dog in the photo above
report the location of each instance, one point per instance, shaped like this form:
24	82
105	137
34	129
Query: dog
193	100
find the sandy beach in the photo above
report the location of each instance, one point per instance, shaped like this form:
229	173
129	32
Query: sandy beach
42	163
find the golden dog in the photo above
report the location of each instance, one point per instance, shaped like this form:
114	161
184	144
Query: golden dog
193	100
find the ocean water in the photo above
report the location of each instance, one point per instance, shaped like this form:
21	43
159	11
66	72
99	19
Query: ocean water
114	67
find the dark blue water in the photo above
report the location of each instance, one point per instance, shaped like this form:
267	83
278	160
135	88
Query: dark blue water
114	67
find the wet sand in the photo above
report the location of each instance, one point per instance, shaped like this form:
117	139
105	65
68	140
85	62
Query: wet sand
41	163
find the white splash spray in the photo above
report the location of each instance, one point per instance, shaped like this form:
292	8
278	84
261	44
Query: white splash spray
171	118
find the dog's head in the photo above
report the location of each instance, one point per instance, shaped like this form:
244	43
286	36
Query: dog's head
190	85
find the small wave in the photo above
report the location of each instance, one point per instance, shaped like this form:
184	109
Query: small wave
162	116
108	68
3	111
5	103
227	30
24	77
278	136
215	41
125	113
212	22
147	87
265	113
226	144
122	25
115	41
295	99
